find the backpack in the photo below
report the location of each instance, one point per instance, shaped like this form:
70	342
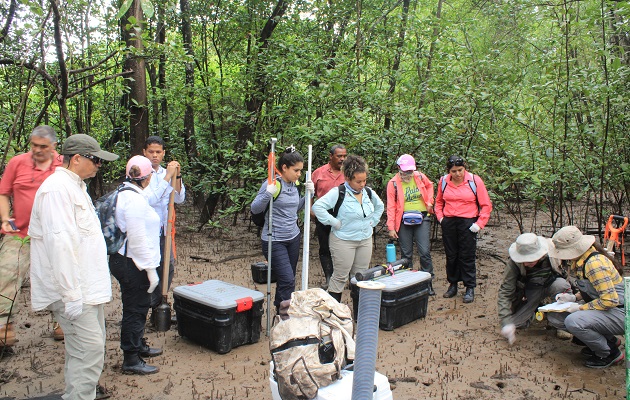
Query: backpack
342	195
106	210
471	183
310	349
259	218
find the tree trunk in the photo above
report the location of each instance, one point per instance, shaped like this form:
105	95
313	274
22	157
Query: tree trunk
396	65
189	115
256	96
137	98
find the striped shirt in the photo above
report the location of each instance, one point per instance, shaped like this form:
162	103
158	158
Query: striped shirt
603	275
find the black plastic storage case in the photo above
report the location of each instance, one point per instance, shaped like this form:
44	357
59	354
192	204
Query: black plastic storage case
259	273
218	315
404	299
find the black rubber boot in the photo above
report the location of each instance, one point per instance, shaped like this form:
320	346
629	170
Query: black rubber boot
336	296
149	351
469	296
431	291
135	365
451	292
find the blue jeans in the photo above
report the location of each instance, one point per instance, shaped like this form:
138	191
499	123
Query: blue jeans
284	258
421	236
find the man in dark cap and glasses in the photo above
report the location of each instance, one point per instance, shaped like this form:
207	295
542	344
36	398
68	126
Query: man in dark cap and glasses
69	270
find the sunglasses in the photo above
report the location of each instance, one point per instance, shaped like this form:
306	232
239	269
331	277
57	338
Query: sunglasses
94	159
458	161
406	173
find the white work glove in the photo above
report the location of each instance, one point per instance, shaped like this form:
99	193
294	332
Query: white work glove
336	224
154	279
74	309
509	332
565	298
474	228
440	221
272	189
573	308
310	187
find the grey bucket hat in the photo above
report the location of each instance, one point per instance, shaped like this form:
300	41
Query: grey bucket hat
570	243
86	145
528	248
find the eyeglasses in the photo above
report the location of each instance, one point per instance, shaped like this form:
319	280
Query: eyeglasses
94	159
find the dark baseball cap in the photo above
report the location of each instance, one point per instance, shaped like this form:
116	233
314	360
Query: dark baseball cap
86	145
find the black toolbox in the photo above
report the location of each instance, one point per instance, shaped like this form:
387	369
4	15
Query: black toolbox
218	315
404	299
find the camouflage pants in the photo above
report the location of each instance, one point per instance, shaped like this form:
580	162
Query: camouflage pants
15	262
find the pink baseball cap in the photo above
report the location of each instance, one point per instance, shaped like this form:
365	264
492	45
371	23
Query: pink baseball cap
406	163
141	162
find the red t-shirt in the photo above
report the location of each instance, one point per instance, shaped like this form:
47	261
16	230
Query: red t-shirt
21	180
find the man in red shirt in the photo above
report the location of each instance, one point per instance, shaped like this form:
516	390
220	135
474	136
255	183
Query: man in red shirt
325	178
21	179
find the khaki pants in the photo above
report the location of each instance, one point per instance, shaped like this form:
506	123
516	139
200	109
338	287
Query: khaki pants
15	262
85	350
349	257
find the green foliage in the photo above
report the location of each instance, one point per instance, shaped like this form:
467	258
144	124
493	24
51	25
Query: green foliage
535	97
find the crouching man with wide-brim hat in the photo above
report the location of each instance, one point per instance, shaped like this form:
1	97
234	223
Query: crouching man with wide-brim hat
530	276
597	313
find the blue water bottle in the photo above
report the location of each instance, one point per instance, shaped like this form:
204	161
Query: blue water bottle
391	252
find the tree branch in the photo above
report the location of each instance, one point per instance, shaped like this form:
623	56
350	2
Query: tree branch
31	66
91	67
84	88
5	30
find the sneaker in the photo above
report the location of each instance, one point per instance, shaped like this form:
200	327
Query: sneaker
57	331
7	335
614	357
586	352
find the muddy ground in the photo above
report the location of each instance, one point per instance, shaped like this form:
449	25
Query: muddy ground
456	352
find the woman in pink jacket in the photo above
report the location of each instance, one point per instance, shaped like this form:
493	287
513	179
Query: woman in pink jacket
409	209
463	208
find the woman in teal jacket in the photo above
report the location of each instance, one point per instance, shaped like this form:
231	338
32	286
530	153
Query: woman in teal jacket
352	228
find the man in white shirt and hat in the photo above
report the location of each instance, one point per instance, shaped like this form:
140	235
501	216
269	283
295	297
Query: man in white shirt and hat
530	276
69	270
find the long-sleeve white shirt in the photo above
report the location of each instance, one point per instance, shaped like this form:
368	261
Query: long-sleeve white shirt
68	252
139	220
158	193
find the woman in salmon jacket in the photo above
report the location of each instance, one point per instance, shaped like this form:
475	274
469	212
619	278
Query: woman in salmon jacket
463	208
409	208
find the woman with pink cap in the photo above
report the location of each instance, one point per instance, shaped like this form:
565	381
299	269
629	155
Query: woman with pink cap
409	208
135	264
596	314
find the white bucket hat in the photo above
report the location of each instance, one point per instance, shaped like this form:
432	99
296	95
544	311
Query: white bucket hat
528	248
570	243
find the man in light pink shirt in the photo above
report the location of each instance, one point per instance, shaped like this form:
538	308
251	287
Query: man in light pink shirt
325	178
